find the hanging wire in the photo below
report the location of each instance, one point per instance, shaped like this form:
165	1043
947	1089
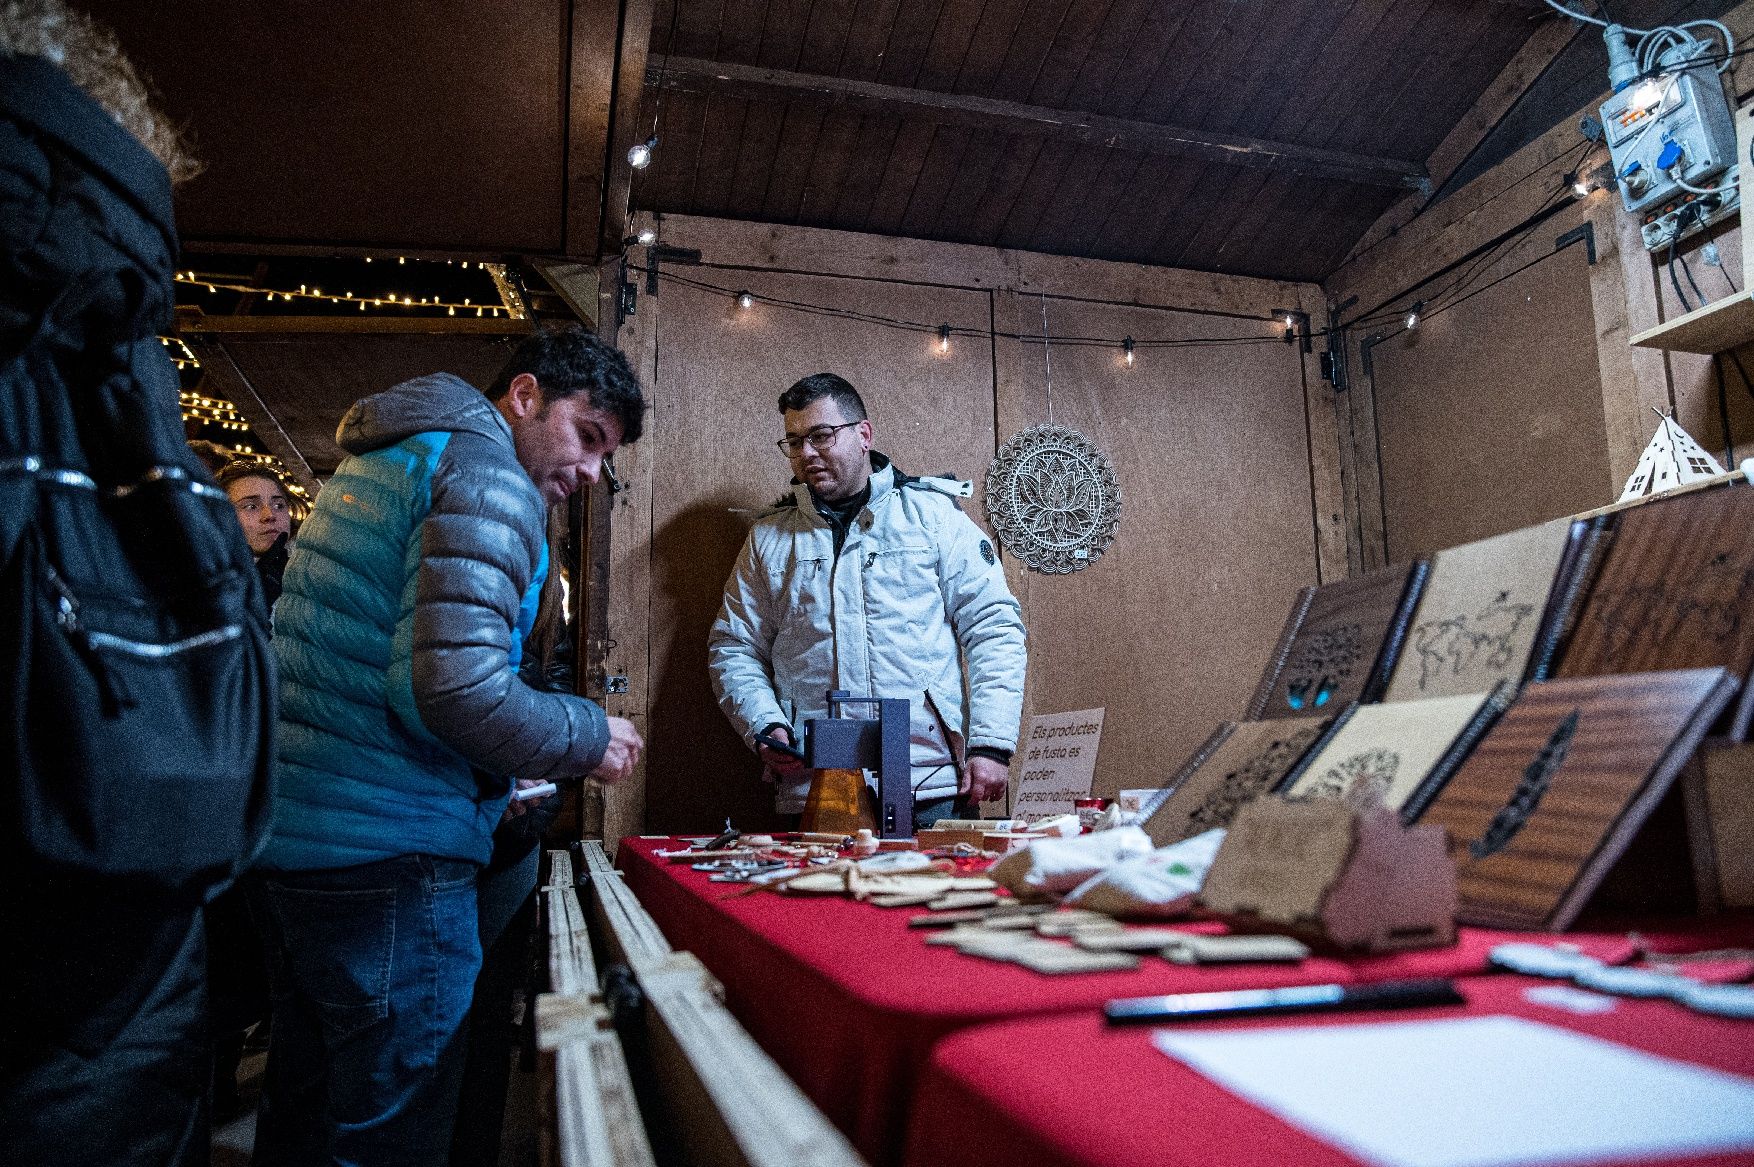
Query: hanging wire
1047	356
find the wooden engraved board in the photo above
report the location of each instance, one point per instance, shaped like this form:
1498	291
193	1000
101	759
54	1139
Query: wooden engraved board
1483	614
1406	748
1551	797
1676	590
1339	644
1238	763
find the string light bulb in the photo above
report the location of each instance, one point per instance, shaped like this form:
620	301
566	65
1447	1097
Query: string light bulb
745	300
1127	350
943	338
647	236
639	155
1415	314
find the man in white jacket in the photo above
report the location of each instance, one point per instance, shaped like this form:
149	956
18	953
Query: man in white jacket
863	579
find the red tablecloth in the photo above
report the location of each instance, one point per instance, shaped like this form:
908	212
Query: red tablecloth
1068	1091
850	1001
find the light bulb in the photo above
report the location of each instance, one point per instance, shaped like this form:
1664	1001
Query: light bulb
639	155
745	300
1127	350
1580	188
1413	316
647	236
943	338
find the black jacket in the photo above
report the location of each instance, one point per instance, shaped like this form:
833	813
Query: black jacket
136	688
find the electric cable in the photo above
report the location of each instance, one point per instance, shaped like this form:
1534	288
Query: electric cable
1723	409
935	329
1673	282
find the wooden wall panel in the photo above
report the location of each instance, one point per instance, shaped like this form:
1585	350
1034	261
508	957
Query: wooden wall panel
1694	378
1489	415
1170	630
713	465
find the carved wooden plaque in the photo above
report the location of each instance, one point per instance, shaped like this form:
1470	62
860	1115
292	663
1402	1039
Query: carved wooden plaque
1483	614
1237	764
1339	644
1398	753
1676	589
1553	794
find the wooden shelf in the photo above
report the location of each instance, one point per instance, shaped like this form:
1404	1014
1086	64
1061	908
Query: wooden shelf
1723	324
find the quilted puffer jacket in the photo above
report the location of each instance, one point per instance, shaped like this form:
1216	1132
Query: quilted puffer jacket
406	603
915	590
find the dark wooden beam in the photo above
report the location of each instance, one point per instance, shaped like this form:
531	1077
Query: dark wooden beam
626	126
192	321
596	26
718	79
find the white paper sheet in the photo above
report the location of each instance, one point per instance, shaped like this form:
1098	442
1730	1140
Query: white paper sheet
1474	1092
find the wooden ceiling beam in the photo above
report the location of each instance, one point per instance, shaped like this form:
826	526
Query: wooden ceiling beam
604	88
192	322
720	79
1529	64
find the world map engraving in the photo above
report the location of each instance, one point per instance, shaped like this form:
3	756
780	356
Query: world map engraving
1053	500
1486	639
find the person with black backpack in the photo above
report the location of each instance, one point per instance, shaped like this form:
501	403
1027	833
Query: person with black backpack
139	693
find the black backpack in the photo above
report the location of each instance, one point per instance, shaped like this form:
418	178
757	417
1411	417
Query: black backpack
138	695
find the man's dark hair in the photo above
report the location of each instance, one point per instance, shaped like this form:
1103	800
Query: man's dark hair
819	385
566	359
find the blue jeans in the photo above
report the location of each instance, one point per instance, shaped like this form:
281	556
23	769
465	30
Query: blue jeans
372	970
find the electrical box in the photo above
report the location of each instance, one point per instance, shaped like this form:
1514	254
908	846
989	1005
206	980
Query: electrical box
1677	125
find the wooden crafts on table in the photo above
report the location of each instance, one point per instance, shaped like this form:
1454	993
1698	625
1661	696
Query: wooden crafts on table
1339	644
1237	763
1334	875
1553	794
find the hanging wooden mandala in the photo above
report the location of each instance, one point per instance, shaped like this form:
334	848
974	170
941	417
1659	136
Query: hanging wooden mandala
1053	500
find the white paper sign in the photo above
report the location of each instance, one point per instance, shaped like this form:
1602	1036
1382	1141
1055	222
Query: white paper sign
1059	761
1475	1092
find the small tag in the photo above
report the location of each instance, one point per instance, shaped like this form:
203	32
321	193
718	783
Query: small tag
1569	999
1045	956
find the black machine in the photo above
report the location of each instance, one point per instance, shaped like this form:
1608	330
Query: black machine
837	742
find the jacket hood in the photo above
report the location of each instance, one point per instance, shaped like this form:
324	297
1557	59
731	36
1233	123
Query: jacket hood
440	401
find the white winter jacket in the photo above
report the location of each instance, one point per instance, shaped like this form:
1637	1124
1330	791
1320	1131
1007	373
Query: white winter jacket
915	581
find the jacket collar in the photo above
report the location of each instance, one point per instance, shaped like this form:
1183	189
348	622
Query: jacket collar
38	94
884	477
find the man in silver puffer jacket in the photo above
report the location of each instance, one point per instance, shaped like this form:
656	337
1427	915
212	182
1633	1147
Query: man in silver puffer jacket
866	580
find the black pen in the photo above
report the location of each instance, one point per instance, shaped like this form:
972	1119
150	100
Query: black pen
774	743
1297	999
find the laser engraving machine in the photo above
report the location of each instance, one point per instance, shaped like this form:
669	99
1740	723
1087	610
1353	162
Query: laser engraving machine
837	742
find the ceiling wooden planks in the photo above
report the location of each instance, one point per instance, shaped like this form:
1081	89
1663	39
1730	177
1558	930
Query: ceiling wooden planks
1257	137
1365	78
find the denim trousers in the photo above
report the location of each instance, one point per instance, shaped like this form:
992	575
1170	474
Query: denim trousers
372	969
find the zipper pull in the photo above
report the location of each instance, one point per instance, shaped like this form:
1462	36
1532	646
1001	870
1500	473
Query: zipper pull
869	560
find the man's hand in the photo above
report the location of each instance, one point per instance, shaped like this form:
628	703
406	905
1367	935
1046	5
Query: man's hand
516	809
783	765
625	745
985	780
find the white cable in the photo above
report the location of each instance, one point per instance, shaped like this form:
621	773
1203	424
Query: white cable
1558	7
1705	190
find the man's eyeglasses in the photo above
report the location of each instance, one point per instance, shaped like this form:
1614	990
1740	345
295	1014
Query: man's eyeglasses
819	438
